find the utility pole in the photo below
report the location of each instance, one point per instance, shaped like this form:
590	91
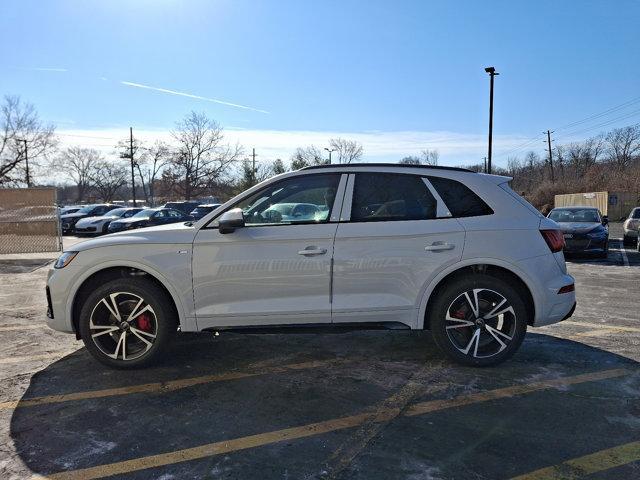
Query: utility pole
253	166
492	73
133	180
548	132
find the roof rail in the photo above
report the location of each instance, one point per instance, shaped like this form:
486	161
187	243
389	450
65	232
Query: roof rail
402	165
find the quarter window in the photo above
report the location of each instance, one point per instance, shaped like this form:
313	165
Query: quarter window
460	200
391	197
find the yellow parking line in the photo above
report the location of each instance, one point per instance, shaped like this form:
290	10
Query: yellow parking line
303	431
592	463
604	326
160	387
9	328
29	358
434	405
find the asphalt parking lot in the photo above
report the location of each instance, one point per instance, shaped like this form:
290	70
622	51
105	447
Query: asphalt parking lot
360	405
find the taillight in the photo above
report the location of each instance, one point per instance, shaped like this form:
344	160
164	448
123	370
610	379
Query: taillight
567	289
554	239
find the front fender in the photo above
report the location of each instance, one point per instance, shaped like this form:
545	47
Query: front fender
187	323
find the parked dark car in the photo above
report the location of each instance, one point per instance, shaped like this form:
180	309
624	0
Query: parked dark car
185	207
68	221
147	218
201	210
585	229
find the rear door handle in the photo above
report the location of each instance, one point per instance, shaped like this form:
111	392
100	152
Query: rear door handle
311	251
437	247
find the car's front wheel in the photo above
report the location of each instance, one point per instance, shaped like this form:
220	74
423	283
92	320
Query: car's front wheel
126	323
480	320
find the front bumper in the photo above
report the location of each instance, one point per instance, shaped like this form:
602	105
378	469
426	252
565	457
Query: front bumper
58	281
585	244
87	230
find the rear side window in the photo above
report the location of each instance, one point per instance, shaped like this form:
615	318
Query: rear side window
460	200
391	197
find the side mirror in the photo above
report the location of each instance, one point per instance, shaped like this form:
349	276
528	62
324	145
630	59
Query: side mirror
605	220
231	220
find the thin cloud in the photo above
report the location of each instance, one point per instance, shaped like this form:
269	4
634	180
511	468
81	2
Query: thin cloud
49	69
189	95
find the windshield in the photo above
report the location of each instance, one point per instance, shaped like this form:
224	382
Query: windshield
86	209
577	215
118	212
144	213
635	213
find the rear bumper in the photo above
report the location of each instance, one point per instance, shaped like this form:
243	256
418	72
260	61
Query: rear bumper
547	278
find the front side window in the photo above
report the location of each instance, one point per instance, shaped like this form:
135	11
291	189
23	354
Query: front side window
391	197
304	199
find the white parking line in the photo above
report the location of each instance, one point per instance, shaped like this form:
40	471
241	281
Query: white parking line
623	251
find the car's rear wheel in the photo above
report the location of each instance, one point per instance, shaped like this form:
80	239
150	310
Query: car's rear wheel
480	320
126	323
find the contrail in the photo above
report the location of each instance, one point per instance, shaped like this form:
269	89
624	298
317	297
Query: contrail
189	95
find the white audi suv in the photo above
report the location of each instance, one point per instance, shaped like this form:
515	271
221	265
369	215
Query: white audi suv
375	246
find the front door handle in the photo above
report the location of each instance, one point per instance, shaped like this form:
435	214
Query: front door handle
311	251
439	246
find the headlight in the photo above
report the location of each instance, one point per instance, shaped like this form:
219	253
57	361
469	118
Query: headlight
64	259
597	233
95	222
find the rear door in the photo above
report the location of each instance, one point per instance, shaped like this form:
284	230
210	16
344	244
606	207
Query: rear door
394	236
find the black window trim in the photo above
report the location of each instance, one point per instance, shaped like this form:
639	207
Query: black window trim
208	225
427	185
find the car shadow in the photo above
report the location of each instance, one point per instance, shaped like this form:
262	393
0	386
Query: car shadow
262	383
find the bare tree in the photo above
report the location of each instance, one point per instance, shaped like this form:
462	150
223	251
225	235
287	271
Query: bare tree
278	167
77	164
427	157
430	157
150	163
623	144
346	151
19	122
410	160
307	156
108	178
202	157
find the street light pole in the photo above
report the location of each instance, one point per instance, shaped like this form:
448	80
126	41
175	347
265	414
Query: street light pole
330	150
133	178
492	73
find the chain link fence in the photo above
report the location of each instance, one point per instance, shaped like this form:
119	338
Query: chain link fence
29	221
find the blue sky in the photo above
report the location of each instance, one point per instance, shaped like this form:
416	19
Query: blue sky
399	76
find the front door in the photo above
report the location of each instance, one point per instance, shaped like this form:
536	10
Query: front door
277	268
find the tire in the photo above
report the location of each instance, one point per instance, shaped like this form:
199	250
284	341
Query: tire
116	340
487	340
627	241
105	228
605	251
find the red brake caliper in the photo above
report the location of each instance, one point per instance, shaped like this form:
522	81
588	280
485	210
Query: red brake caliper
144	322
461	314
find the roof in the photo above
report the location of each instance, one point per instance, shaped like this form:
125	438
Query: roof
400	165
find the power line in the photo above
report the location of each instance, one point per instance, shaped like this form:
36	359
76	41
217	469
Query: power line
600	114
603	124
